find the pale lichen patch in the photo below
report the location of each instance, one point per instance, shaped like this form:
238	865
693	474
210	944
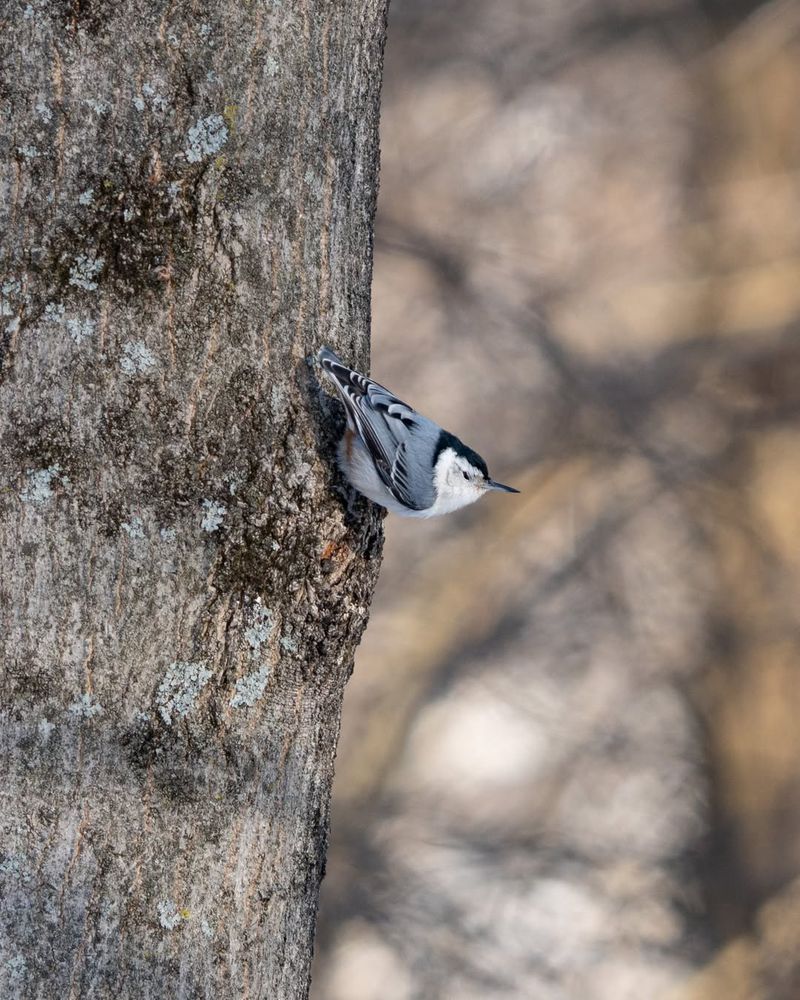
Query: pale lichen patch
44	112
133	528
86	197
261	628
80	329
10	287
85	707
278	400
85	270
39	487
99	107
54	312
170	915
157	101
234	483
288	644
137	358
250	688
16	969
45	729
15	867
213	516
205	138
180	688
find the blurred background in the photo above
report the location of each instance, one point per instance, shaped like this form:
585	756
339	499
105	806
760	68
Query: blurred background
570	754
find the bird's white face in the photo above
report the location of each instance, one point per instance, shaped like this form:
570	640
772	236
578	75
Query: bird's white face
458	483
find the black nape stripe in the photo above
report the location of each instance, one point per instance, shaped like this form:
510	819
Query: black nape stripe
448	440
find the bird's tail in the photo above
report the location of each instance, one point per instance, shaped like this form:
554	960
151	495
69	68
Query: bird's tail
342	377
333	366
326	356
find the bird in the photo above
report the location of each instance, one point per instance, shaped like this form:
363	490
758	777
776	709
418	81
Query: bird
398	458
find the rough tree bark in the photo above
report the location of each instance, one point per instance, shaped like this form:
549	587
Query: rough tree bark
188	193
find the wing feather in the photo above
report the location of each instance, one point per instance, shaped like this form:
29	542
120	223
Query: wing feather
385	424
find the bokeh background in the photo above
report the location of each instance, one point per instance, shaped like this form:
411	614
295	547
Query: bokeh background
570	755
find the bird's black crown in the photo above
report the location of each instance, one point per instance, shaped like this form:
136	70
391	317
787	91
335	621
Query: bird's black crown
448	440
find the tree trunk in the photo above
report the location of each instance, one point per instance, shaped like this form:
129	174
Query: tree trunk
187	199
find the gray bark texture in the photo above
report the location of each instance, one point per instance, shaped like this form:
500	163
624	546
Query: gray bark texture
187	202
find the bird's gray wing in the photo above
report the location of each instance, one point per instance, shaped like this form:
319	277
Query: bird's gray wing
400	440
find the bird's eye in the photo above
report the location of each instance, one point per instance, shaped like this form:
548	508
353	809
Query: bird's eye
465	475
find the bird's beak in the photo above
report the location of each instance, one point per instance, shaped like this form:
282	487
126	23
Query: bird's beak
499	486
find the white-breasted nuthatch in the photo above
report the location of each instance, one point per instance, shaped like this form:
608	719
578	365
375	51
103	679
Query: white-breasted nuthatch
397	457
